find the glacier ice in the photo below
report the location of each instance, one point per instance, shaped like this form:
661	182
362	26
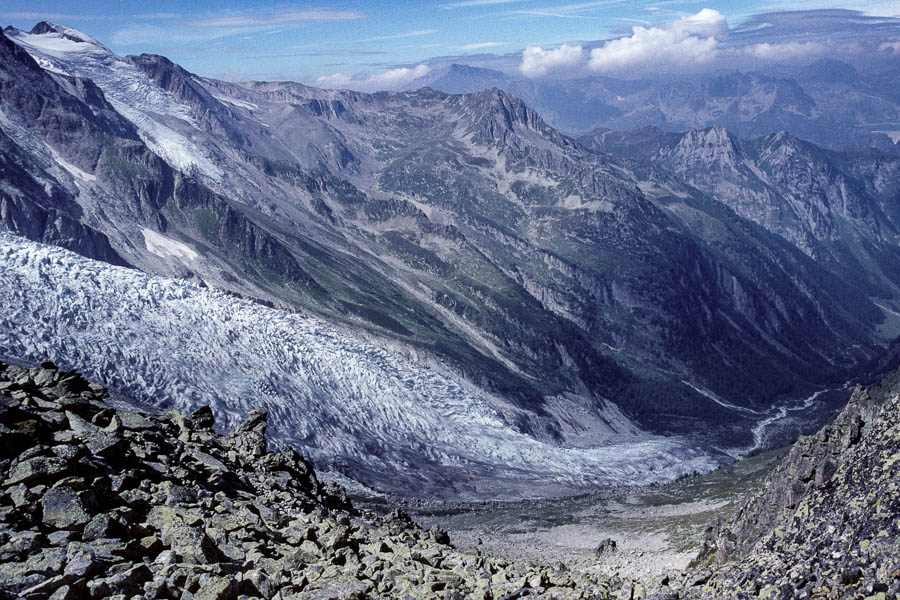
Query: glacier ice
384	419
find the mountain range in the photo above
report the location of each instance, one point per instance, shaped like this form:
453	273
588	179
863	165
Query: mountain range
827	102
608	289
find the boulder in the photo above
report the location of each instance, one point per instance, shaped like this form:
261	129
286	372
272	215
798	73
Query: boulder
249	438
63	508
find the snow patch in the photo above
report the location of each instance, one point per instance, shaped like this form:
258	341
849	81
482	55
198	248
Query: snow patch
235	102
574	202
163	246
74	171
56	45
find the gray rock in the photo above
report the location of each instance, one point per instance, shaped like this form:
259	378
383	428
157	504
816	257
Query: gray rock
134	421
104	443
607	546
186	540
37	469
65	592
60	538
202	418
249	438
101	526
49	562
63	509
80	425
217	588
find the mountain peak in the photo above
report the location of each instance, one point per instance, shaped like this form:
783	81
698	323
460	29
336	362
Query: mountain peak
45	27
829	70
716	135
458	68
68	33
714	145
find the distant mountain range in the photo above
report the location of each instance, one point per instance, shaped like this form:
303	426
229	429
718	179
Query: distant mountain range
677	284
828	103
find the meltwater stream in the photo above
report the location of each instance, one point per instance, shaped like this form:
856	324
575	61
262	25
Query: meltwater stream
770	420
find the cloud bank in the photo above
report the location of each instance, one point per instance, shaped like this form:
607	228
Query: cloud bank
694	41
691	40
392	79
537	62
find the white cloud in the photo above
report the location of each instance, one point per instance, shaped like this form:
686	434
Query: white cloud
707	23
334	81
784	51
537	62
400	36
892	47
388	80
691	40
480	45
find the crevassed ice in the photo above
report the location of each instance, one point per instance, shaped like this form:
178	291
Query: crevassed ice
336	398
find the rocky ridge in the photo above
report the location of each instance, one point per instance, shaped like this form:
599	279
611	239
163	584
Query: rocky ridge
823	202
102	502
825	523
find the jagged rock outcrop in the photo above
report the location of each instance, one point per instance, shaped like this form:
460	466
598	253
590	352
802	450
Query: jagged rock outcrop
825	524
99	502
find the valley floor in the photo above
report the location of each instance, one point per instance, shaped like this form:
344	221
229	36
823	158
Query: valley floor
657	529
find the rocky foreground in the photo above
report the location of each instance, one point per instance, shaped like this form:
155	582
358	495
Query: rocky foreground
827	522
98	502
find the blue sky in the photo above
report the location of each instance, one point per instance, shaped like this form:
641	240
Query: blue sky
372	45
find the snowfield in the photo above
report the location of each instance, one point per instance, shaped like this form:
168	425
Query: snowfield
350	405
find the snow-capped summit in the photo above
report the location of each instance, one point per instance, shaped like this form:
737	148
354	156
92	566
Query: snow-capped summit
48	28
67	51
58	42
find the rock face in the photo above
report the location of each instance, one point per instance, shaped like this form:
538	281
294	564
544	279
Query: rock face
97	502
836	207
825	524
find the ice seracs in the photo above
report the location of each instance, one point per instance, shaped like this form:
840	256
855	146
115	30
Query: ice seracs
351	405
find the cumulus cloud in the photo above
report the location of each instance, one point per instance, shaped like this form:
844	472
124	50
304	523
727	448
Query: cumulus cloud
388	80
706	23
537	62
691	40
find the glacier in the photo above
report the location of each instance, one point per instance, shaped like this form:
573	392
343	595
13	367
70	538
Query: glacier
127	88
362	410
